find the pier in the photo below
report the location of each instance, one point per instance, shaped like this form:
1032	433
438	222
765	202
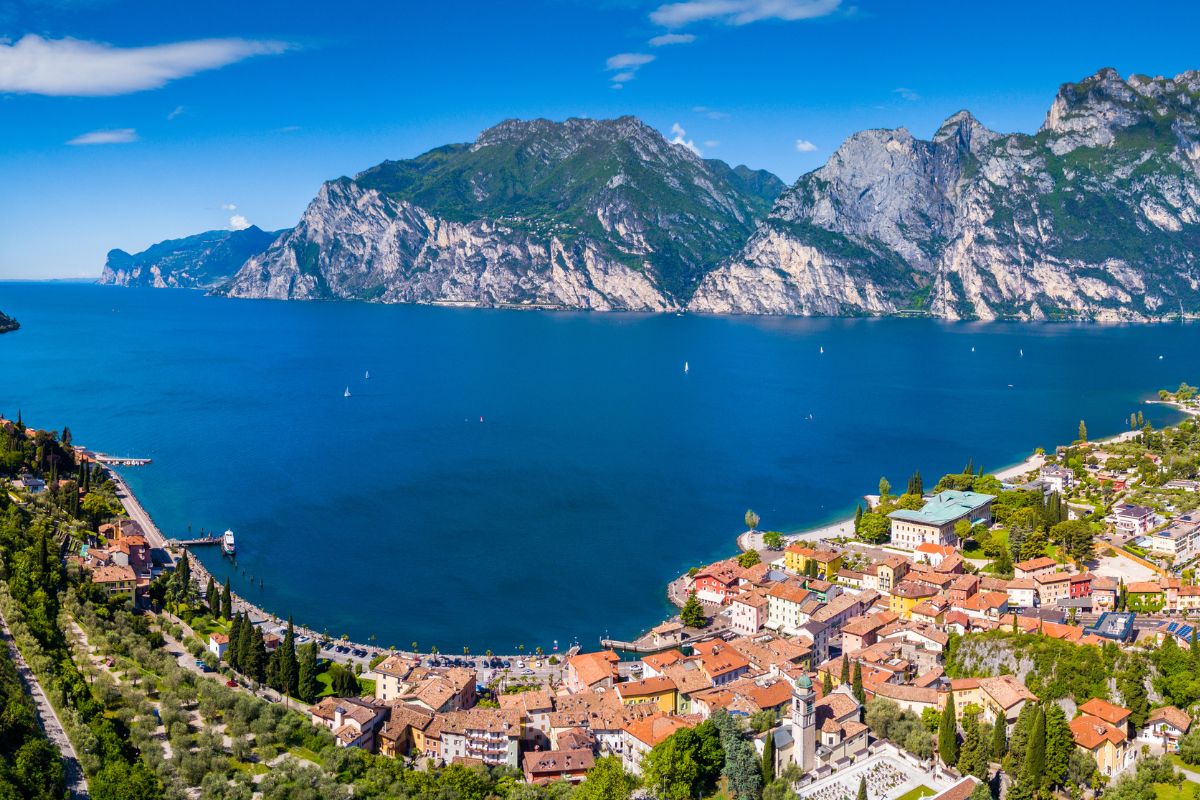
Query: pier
122	461
193	542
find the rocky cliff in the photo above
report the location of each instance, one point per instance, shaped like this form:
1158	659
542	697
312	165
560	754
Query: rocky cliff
595	214
7	323
195	262
1096	216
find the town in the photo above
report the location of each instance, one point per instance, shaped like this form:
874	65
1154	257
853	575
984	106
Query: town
1010	635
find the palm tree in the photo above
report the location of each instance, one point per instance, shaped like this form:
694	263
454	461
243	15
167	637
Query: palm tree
414	647
466	650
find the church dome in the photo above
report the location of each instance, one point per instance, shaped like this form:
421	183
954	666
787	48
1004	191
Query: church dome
804	682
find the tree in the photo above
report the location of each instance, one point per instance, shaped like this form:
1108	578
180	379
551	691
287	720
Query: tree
857	684
768	759
858	515
606	780
972	757
226	600
692	614
344	683
1035	750
862	788
981	792
289	669
826	684
885	489
308	687
751	520
773	540
1059	745
684	765
999	740
948	734
874	528
1082	431
1189	746
742	769
845	676
915	484
748	559
1131	684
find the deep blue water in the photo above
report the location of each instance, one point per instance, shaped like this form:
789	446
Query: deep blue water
599	470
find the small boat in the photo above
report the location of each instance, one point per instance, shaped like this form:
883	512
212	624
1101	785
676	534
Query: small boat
685	368
228	545
972	349
1022	352
822	350
347	392
367	375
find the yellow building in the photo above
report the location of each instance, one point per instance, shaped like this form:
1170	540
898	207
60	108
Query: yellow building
906	595
116	579
1106	743
797	558
660	690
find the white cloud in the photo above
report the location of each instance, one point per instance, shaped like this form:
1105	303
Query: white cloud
228	207
679	133
238	222
672	38
72	67
907	94
740	12
111	136
805	146
624	61
178	111
626	66
711	113
711	143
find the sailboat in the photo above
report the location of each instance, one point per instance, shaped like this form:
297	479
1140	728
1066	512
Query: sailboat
685	368
972	349
822	350
347	392
367	375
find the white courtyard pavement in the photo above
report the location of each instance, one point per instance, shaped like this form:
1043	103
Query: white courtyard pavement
888	776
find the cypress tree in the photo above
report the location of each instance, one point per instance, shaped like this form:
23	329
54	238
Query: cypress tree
858	512
768	759
862	788
1035	750
826	685
1059	746
214	599
308	687
845	677
246	645
972	758
231	652
948	734
999	740
859	694
289	667
258	656
226	600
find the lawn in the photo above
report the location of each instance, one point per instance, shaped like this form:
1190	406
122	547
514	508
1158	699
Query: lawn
326	680
921	791
305	753
1167	791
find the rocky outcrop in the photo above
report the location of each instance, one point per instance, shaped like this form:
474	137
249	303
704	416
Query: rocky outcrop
7	323
1097	216
196	262
592	214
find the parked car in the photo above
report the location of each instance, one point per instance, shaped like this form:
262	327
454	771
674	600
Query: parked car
231	683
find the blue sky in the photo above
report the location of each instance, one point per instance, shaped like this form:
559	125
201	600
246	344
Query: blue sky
124	123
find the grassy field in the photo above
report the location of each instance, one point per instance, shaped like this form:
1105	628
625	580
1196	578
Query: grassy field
922	791
1167	791
326	680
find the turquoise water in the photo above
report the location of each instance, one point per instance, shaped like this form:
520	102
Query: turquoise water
512	478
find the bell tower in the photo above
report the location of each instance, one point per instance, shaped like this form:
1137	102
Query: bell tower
804	724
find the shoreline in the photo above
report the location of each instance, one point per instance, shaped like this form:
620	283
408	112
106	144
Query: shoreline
744	541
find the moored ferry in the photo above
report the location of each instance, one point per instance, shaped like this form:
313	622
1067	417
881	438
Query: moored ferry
228	546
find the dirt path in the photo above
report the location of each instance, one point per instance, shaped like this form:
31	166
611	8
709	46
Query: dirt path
47	718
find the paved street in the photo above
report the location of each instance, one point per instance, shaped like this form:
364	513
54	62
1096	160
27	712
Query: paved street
47	718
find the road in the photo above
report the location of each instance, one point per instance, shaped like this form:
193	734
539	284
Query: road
134	509
47	718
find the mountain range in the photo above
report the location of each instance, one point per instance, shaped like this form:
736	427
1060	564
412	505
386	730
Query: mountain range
1094	216
202	261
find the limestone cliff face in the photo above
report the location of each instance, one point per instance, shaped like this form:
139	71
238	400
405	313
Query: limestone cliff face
589	214
1097	216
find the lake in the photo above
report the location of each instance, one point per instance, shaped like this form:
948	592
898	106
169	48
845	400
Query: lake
507	477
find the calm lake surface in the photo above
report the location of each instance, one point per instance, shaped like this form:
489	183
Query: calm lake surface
510	478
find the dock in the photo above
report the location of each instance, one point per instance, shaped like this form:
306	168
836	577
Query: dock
193	542
122	461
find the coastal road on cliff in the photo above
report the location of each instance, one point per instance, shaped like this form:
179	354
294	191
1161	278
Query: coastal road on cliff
47	718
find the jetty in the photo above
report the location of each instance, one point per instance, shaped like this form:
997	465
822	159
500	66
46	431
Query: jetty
121	461
193	542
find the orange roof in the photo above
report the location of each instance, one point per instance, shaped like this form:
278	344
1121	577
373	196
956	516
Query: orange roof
1110	713
718	658
1090	732
656	728
592	668
930	547
1144	587
646	688
659	660
788	592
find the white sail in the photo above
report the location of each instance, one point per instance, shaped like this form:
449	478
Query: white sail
347	392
